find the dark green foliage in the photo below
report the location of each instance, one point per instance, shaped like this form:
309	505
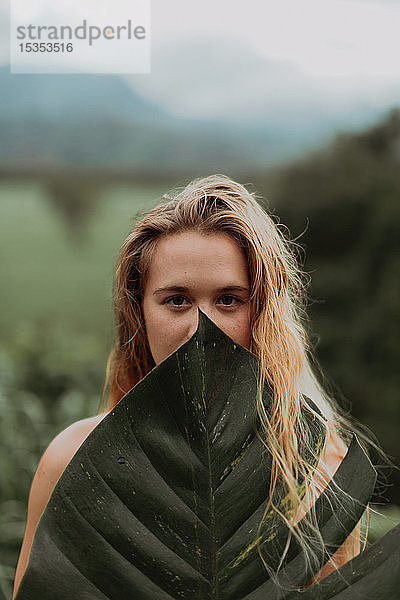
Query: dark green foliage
44	386
163	498
345	201
372	575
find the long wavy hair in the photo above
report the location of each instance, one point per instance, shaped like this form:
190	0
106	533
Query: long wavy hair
278	324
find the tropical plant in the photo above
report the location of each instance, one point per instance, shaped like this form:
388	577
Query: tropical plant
164	498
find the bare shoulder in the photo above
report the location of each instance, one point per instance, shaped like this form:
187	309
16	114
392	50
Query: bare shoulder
331	457
332	454
70	439
63	447
57	456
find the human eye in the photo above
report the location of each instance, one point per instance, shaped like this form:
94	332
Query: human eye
229	298
171	301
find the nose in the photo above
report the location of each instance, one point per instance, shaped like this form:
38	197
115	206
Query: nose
205	309
195	321
193	324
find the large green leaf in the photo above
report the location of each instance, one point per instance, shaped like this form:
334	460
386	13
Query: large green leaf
163	499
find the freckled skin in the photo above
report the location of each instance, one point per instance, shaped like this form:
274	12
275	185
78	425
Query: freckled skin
203	264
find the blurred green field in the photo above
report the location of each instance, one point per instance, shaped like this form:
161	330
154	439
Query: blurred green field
47	276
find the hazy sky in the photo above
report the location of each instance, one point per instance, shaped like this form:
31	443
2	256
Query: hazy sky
356	38
343	51
219	57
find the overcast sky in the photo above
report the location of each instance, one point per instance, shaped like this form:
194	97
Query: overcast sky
346	48
315	53
335	38
328	37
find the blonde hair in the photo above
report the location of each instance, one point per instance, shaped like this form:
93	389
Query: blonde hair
278	334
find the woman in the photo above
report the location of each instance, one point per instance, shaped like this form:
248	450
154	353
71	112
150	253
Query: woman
213	247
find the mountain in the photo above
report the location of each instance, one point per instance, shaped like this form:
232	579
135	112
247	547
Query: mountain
100	121
208	104
72	97
224	79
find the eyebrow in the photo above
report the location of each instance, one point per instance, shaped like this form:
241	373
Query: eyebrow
182	288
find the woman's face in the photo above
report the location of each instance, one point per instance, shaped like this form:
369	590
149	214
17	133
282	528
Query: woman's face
190	270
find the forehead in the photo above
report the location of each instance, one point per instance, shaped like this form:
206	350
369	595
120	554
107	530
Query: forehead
192	255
